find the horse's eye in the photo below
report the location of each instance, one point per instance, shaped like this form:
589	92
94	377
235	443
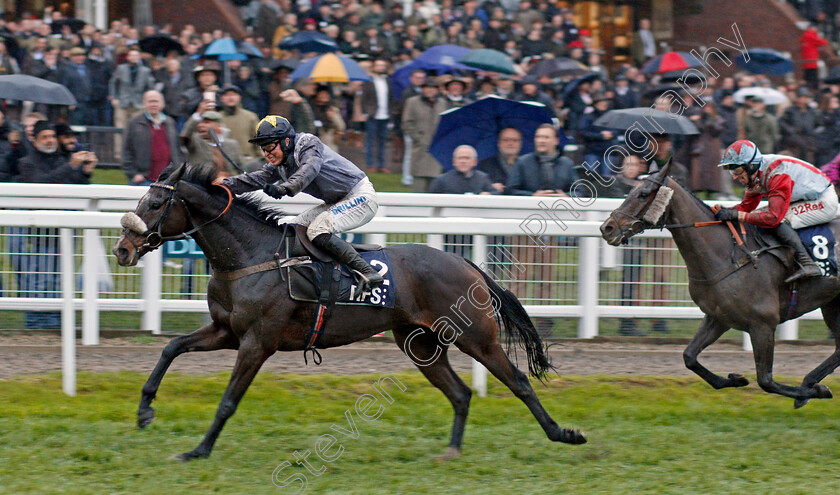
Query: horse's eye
155	205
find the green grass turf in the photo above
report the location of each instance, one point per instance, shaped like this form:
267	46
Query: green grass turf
646	435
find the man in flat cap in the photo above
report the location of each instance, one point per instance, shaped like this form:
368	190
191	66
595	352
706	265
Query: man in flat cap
202	149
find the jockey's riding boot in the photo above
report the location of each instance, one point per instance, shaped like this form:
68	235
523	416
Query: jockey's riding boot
346	255
789	237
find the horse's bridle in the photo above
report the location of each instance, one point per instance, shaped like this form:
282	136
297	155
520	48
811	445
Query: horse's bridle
155	237
639	224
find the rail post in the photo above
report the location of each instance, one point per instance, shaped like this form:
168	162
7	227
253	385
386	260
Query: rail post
68	314
152	285
90	288
789	330
479	257
588	253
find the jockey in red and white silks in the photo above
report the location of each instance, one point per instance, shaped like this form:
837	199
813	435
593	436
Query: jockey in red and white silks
798	195
796	191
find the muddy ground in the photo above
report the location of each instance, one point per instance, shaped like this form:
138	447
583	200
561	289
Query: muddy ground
22	354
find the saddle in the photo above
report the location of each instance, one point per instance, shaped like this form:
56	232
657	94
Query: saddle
315	276
818	240
296	243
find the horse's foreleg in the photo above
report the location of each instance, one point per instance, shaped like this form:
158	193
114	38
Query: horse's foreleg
710	330
763	341
252	354
208	338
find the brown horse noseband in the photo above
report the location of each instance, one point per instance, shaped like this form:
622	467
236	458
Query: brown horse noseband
155	237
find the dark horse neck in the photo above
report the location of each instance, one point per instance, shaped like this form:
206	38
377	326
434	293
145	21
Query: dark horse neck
226	247
706	250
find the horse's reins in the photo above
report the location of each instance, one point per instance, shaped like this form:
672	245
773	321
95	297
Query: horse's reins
154	238
223	152
641	222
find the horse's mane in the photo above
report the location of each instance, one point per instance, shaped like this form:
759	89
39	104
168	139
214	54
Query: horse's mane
696	199
254	205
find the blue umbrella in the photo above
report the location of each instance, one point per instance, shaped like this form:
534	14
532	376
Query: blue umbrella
765	61
441	59
308	41
444	55
478	125
225	49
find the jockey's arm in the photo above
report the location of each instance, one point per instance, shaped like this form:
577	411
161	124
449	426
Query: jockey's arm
778	201
252	181
310	159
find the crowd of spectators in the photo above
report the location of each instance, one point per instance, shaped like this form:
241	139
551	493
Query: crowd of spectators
174	106
110	76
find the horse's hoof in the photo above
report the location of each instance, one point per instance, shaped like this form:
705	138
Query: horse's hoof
823	392
451	453
188	456
737	380
800	402
145	417
573	437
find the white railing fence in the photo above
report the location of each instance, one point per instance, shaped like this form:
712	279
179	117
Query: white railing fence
573	274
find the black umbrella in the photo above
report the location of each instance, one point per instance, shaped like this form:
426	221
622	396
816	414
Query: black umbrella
558	67
648	120
34	89
689	78
160	44
286	63
572	86
76	25
309	41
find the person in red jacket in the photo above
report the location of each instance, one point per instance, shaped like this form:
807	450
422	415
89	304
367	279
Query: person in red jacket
809	51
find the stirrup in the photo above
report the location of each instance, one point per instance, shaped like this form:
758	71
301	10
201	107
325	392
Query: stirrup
803	272
364	282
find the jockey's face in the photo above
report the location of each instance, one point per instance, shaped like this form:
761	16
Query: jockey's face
740	175
273	153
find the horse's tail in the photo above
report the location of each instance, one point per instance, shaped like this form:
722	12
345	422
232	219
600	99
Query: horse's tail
512	316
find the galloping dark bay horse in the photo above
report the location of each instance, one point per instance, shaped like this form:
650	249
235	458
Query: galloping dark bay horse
751	297
255	314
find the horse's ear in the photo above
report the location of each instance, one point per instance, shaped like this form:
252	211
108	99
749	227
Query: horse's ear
666	170
176	174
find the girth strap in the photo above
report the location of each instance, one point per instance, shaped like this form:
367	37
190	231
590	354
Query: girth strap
244	272
326	301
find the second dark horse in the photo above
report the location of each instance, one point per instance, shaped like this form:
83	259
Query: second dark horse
751	297
255	314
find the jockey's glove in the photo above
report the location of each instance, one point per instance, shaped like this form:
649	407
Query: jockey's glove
275	191
727	214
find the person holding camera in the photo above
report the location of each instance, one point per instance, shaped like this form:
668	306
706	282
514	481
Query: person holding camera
37	257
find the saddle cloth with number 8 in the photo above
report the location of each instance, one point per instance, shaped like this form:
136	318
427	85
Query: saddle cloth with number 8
819	242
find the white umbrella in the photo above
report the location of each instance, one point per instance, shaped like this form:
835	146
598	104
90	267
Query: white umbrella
770	96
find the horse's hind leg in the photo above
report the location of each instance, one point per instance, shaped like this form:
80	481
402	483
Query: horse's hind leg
483	346
252	354
429	355
208	338
710	330
763	340
831	316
